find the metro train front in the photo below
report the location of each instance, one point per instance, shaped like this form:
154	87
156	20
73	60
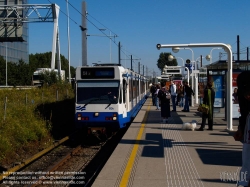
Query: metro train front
108	96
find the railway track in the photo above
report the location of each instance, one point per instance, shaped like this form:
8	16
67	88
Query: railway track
64	165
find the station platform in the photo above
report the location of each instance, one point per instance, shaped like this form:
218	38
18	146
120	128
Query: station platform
155	154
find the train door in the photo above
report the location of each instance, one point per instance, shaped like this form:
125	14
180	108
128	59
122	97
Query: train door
124	98
128	95
132	91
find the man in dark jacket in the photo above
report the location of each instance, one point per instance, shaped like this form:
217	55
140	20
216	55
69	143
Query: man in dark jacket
244	102
153	90
242	134
188	92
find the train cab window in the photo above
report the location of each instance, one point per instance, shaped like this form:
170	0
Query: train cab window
97	92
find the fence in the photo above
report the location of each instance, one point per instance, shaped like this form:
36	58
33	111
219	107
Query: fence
16	102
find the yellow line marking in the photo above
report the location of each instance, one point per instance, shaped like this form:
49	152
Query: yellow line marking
129	167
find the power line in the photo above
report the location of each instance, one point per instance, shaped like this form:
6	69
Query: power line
103	25
97	27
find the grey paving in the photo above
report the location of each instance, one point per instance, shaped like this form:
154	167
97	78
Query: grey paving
172	157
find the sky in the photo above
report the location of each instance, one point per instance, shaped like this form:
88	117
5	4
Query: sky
140	25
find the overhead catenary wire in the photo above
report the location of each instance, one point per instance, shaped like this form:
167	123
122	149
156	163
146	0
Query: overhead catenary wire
242	51
108	36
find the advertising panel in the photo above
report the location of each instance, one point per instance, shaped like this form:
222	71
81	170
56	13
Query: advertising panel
218	85
236	107
177	82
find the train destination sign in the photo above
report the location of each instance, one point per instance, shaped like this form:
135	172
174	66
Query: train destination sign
97	73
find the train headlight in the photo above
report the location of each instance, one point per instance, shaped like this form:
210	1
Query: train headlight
79	117
115	116
96	114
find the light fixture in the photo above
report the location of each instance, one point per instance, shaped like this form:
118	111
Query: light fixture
175	49
158	46
170	57
208	57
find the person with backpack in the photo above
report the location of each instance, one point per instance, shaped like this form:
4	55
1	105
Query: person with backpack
209	96
164	96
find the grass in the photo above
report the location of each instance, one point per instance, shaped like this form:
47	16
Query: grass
32	117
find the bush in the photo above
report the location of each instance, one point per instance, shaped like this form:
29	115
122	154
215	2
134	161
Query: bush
20	121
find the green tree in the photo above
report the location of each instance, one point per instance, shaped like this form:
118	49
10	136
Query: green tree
43	60
23	75
20	74
2	71
49	78
163	60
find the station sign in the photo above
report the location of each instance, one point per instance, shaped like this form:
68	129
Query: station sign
173	70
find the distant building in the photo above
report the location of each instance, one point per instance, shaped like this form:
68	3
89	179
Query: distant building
16	50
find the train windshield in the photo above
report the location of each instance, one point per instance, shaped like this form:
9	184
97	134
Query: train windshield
97	92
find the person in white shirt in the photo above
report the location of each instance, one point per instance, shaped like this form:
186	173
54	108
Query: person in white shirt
173	95
156	98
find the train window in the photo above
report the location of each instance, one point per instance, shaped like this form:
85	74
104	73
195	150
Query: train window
134	89
97	92
137	88
124	90
130	90
120	95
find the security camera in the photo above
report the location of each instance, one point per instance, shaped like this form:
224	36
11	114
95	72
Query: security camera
158	46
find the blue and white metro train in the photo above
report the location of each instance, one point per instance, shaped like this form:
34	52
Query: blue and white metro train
108	96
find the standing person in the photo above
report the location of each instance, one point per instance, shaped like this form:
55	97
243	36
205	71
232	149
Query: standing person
164	95
188	92
178	94
235	96
156	97
173	95
153	90
181	96
242	134
209	95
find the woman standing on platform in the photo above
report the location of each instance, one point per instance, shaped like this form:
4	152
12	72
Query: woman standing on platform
209	95
165	96
181	96
156	97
